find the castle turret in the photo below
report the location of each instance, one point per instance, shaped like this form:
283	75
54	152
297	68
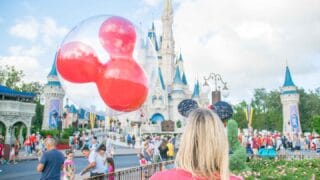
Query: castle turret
290	106
166	61
53	94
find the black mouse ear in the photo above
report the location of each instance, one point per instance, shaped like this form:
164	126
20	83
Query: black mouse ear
223	109
186	106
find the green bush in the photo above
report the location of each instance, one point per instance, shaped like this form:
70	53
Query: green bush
63	141
282	169
66	133
178	123
51	132
237	160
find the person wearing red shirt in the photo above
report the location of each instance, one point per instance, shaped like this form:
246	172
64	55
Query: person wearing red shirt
203	151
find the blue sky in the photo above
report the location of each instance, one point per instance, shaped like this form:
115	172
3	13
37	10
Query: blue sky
247	41
63	15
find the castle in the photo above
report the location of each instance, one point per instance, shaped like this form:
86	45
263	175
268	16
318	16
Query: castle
170	89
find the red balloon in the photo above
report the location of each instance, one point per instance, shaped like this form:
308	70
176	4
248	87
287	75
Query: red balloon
123	85
118	36
78	63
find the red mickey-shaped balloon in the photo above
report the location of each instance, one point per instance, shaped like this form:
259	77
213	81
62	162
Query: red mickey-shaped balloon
117	35
78	63
123	85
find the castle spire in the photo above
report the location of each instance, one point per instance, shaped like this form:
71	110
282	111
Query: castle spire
288	80
167	61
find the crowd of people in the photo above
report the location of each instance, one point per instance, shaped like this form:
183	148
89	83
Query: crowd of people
156	149
100	161
278	142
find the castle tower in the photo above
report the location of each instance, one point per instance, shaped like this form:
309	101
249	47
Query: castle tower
166	61
290	108
53	94
177	96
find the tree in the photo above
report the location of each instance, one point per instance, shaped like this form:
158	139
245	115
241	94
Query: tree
239	114
11	77
316	124
309	107
238	156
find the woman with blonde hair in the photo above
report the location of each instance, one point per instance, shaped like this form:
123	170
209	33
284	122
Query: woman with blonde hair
203	151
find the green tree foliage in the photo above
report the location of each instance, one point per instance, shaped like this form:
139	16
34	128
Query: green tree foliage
239	114
309	107
12	78
268	110
237	160
316	124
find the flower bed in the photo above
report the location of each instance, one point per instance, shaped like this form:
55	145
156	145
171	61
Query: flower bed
282	169
63	146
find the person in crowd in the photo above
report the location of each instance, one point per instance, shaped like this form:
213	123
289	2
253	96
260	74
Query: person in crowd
142	160
147	152
94	144
69	169
17	147
170	152
163	149
12	155
129	139
154	145
111	168
1	153
51	162
133	141
32	139
96	164
27	146
203	151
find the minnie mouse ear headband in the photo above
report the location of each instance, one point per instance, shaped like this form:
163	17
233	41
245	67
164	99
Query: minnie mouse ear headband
223	109
186	106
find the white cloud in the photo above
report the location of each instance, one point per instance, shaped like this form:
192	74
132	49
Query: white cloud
51	31
29	65
46	30
33	51
27	28
42	35
152	2
248	42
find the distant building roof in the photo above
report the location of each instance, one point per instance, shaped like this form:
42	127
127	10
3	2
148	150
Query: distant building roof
288	80
184	79
153	37
53	71
161	79
177	78
10	92
196	90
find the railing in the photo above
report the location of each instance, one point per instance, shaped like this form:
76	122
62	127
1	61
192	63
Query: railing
137	173
299	155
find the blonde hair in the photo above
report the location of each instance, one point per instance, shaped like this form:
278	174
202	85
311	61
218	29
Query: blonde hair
204	147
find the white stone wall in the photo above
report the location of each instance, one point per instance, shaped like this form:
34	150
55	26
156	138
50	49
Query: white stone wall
12	112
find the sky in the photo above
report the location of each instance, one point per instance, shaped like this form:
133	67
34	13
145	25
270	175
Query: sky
248	42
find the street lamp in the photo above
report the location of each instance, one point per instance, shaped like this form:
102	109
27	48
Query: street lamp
216	94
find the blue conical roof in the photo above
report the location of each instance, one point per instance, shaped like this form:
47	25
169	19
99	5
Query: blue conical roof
53	71
180	57
177	77
288	80
161	79
196	90
184	79
152	36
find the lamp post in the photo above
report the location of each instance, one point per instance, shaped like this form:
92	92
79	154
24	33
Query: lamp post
216	94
